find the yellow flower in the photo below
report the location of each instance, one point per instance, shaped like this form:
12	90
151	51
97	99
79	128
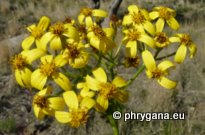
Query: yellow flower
101	39
164	14
75	54
158	72
139	18
185	42
49	69
86	15
20	64
43	104
130	40
36	33
161	39
78	111
106	89
55	34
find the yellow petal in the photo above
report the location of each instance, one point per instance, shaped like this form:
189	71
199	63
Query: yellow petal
60	60
133	9
166	83
63	117
88	21
48	111
147	40
45	92
100	75
180	54
23	77
148	60
87	93
47	59
174	39
72	33
38	43
87	103
145	13
31	28
81	18
159	25
38	112
19	78
165	65
192	49
92	83
102	104
55	43
90	35
38	80
127	19
131	49
99	13
149	27
26	77
119	82
32	55
27	42
109	32
149	74
45	39
121	96
95	42
81	85
62	81
71	99
172	22
43	23
57	103
153	15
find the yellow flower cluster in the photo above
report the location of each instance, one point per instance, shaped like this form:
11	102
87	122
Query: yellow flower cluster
73	63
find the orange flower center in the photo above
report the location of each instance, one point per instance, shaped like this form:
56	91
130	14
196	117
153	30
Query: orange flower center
98	31
133	35
132	62
68	20
18	62
107	89
37	33
73	51
48	69
79	117
86	11
58	28
161	37
165	13
186	39
157	73
138	18
40	101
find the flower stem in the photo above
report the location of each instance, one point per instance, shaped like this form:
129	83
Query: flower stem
142	67
169	55
158	51
114	125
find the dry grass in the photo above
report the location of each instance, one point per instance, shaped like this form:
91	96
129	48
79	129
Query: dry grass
145	95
